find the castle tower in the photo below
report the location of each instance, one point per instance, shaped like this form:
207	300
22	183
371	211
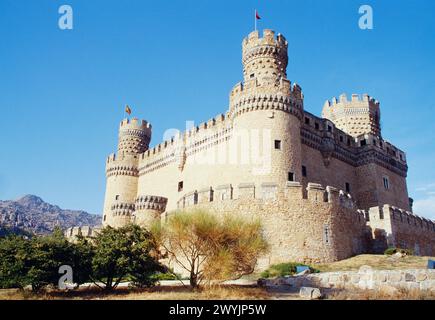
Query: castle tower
266	102
148	210
355	117
122	172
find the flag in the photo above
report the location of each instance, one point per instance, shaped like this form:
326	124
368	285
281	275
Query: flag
257	16
128	110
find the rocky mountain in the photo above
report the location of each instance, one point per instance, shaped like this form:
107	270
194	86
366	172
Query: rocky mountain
32	214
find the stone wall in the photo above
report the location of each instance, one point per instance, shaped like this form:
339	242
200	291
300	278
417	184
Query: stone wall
365	278
394	227
321	227
85	231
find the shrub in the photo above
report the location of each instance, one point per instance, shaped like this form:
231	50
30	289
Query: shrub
392	250
209	248
284	269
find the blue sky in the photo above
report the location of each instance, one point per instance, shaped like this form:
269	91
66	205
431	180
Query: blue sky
62	92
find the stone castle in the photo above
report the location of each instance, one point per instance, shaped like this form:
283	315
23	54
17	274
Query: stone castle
324	188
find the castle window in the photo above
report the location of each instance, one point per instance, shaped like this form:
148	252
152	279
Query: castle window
348	141
117	197
326	239
304	171
316	125
278	144
104	218
307	120
329	129
291	176
341	138
180	186
252	75
386	183
363	143
347	187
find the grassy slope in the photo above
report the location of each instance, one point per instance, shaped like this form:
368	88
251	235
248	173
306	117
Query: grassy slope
378	262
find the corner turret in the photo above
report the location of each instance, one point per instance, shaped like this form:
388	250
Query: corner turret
355	117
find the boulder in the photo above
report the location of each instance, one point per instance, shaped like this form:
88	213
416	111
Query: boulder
310	293
302	273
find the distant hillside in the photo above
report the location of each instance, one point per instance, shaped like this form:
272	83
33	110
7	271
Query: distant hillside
6	231
32	214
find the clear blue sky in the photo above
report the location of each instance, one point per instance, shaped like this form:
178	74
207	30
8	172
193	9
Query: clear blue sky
62	93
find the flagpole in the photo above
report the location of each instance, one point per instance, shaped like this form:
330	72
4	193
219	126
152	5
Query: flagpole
255	19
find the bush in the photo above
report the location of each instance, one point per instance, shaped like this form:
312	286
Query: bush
166	276
284	269
209	248
392	250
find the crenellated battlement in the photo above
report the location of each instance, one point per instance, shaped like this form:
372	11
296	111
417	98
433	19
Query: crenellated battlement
134	136
72	233
365	99
357	116
124	165
399	217
275	101
135	123
292	191
267	44
212	131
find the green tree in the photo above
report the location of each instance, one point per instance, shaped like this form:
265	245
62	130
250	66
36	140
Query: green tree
127	252
209	248
36	261
14	254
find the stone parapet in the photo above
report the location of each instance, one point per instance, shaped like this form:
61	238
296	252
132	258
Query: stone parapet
365	278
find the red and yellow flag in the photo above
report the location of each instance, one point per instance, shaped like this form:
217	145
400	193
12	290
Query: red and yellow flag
128	110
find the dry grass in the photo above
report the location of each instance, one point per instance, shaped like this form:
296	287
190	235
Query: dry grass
157	293
378	262
382	294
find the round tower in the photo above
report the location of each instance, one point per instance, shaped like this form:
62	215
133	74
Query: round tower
148	210
355	117
266	102
122	172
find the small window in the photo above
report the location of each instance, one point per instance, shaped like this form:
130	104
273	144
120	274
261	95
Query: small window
117	197
363	143
307	120
104	218
326	239
348	141
341	138
180	186
291	176
252	75
347	186
316	125
278	144
329	129
304	171
386	183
